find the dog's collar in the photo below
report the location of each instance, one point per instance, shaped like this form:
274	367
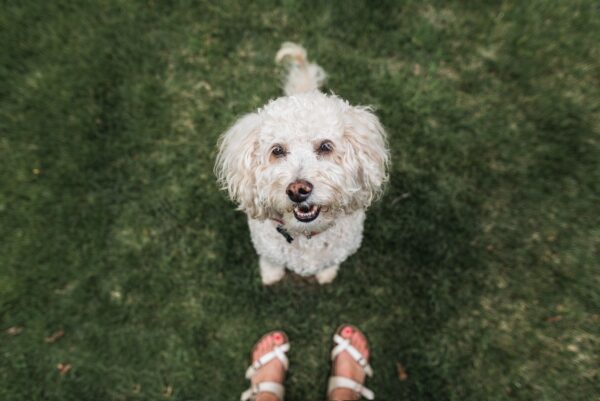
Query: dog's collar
285	233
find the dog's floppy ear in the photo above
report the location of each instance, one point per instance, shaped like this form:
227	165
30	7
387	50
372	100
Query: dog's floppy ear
237	161
367	151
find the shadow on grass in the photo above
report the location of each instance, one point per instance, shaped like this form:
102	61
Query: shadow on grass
429	256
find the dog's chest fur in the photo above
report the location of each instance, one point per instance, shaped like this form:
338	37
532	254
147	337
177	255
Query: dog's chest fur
309	256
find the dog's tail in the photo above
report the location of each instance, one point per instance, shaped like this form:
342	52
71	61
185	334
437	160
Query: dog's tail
302	76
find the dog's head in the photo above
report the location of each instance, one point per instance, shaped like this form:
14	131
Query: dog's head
305	160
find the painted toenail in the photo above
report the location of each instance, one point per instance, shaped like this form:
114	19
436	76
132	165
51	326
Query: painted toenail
277	337
347	331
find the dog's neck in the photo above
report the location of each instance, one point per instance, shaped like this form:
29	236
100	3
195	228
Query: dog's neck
285	233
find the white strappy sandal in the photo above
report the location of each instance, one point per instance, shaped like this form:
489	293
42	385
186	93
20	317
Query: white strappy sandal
268	387
335	382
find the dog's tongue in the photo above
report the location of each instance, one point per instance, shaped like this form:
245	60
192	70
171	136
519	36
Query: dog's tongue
304	208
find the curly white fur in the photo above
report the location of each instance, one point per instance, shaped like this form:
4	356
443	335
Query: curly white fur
345	180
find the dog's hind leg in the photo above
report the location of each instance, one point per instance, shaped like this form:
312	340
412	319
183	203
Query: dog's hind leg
270	273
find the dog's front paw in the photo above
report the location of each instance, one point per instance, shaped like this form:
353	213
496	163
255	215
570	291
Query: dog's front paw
269	272
326	276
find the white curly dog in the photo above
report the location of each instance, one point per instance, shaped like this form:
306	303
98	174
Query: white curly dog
304	168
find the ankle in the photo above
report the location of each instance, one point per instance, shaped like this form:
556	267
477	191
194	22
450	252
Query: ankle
341	394
267	397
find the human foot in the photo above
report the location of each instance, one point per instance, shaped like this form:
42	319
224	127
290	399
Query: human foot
350	364
267	371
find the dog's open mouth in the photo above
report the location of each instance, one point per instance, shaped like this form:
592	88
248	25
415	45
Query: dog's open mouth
306	213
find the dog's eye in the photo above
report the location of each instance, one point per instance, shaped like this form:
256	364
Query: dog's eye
325	147
278	151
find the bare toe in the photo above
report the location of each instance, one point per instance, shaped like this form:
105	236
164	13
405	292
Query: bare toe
347	331
360	343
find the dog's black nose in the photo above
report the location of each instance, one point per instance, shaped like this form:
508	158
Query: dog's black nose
299	190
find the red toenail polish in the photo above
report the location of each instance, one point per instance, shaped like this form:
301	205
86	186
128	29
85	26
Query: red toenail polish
277	336
347	331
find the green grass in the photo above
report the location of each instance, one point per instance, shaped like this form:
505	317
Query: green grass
479	269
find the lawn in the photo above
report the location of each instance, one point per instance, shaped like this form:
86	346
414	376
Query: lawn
125	274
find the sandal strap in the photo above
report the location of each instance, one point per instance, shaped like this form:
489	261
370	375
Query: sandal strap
264	387
278	352
344	382
344	345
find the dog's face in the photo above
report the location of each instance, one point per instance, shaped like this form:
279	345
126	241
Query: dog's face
304	160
